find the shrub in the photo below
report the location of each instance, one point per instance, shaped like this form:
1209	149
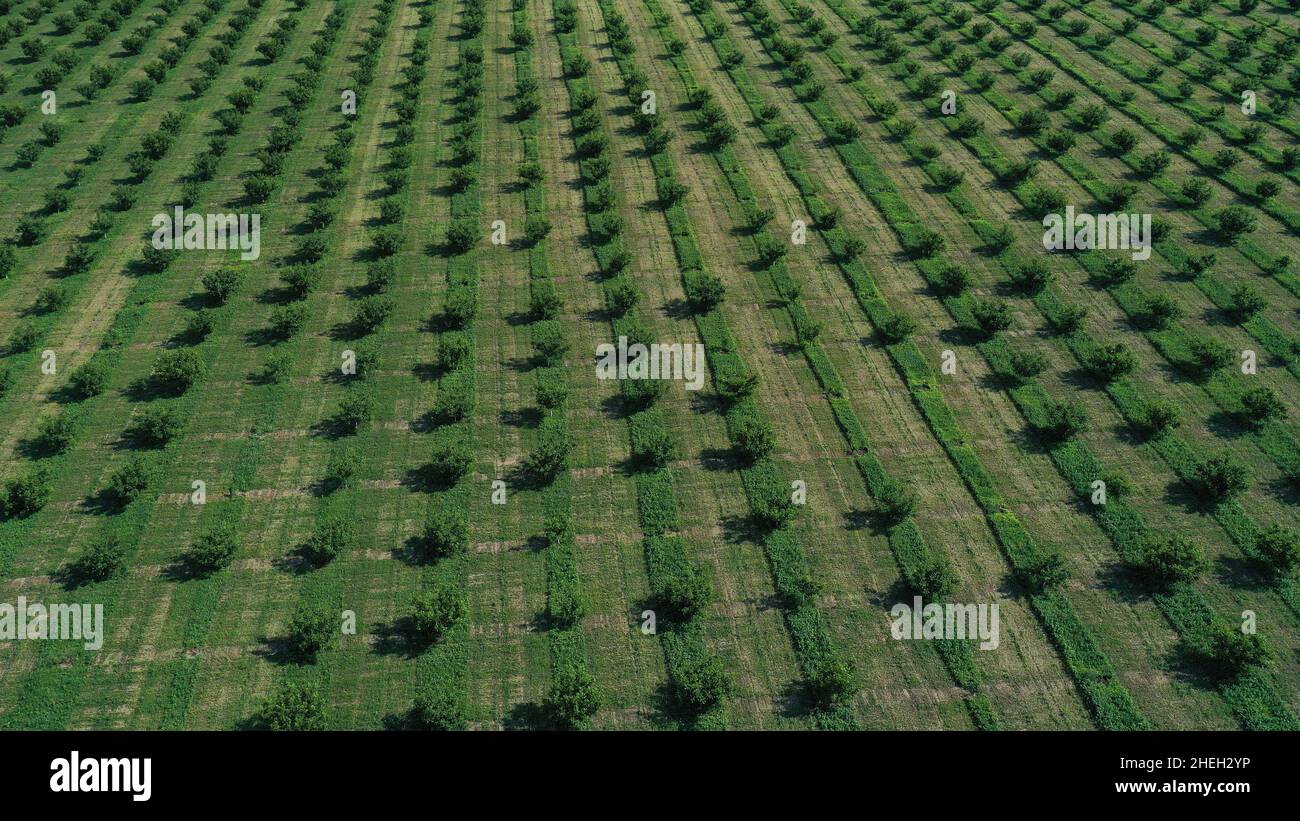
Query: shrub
220	284
26	495
894	502
130	481
438	709
311	630
1044	572
1031	276
1234	222
1110	361
295	706
700	682
301	280
174	372
1063	419
334	535
435	612
1161	415
1165	558
926	243
991	316
1245	301
1262	404
896	327
1219	477
1026	364
454	347
551	387
23	337
573	697
1160	310
446	531
1232	653
954	279
448	463
287	321
754	437
341	468
54	433
104	558
549	341
356	410
1278	548
89	380
214	549
372	312
704	291
461	235
1209	354
550	455
460	307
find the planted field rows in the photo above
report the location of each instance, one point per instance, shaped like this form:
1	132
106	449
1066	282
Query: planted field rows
662	364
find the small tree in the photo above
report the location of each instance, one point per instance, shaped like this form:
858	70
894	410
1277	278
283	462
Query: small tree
446	531
1232	653
104	558
26	495
334	535
754	437
1166	558
1234	222
220	284
1262	404
438	610
295	706
448	463
214	549
437	709
573	698
174	372
130	481
1219	478
310	630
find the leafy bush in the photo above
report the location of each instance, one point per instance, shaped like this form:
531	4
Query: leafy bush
26	495
1063	419
295	706
54	433
894	502
175	371
754	437
1110	361
551	387
436	611
438	709
448	463
130	481
89	380
311	630
104	558
214	549
550	455
1278	548
356	410
1165	558
220	284
446	531
1262	404
573	697
1220	477
335	534
991	316
704	290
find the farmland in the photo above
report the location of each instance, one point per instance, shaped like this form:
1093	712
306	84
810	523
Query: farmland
303	307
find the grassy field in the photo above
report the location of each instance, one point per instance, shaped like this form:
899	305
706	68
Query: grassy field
374	476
